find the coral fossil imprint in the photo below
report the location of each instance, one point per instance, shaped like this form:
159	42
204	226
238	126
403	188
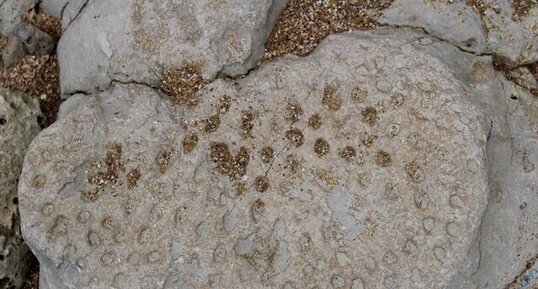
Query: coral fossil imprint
360	164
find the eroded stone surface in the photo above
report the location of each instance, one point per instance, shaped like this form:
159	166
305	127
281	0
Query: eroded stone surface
506	29
512	154
54	7
452	21
507	240
124	42
512	35
238	192
18	125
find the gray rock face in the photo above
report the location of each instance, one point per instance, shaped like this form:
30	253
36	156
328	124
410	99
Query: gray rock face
26	38
11	12
509	226
71	11
454	22
12	52
53	7
18	125
124	42
511	37
506	243
361	165
66	10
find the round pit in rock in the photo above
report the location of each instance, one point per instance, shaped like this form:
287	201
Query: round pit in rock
265	210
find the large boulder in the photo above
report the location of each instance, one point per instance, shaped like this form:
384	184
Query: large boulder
360	166
135	40
18	126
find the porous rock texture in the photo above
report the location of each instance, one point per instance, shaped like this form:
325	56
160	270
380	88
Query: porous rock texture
362	165
18	126
509	29
123	42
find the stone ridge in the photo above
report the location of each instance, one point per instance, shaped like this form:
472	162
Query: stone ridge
359	166
123	42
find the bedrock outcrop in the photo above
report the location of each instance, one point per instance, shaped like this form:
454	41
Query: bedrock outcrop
123	41
362	165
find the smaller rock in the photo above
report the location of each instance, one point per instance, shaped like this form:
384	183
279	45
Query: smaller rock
524	77
35	40
11	12
512	32
13	52
53	7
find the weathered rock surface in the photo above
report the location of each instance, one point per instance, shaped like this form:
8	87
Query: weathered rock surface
454	22
511	35
66	10
507	241
12	52
53	7
11	12
123	42
34	40
71	11
359	166
18	125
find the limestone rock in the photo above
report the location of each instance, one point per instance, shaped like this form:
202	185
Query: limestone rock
53	7
11	12
523	77
513	180
123	42
72	103
454	22
18	125
360	165
35	40
66	10
71	11
509	28
512	210
512	34
12	52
